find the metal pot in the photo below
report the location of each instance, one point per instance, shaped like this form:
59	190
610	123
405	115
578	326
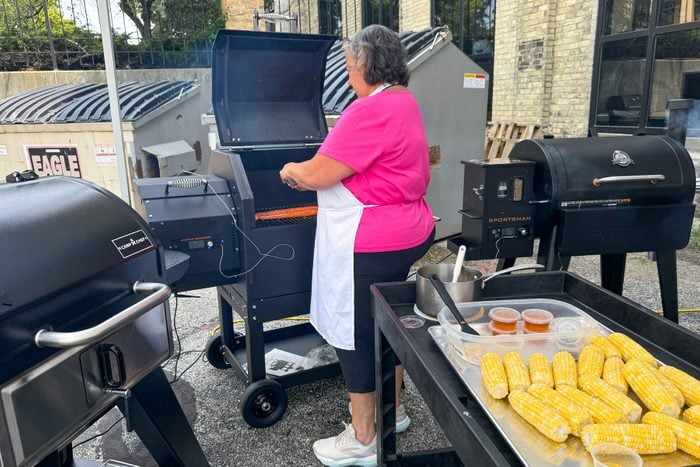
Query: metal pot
468	287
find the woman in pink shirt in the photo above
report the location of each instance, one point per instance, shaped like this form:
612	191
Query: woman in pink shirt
370	174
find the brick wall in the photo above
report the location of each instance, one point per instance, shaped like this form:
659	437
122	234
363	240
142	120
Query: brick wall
414	15
240	13
543	63
352	16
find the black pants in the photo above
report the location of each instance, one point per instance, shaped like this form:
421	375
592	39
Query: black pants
371	268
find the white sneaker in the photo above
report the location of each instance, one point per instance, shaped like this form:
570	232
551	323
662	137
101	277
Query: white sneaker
403	421
345	449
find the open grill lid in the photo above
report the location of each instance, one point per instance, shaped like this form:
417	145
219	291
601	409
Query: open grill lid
577	172
267	88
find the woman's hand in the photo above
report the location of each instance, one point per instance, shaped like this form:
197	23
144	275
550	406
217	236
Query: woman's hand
287	176
318	173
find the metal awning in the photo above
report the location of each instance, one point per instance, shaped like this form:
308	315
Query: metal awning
80	103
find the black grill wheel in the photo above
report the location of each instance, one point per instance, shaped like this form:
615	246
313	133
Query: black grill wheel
264	403
214	353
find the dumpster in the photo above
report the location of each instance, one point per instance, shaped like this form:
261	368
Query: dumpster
67	130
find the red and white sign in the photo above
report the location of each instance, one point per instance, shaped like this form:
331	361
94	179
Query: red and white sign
105	154
53	160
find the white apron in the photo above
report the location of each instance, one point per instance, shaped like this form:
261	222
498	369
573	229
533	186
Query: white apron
333	277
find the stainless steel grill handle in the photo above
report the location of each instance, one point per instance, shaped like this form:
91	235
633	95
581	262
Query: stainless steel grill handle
629	178
158	294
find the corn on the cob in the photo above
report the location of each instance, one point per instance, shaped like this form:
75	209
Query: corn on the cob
687	435
642	438
575	415
516	370
606	346
689	386
591	361
541	416
564	370
650	390
670	387
599	410
630	349
692	415
540	369
611	396
612	374
493	374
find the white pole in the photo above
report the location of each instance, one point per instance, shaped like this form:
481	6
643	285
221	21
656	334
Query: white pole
110	69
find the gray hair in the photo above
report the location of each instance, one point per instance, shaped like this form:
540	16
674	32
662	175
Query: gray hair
379	52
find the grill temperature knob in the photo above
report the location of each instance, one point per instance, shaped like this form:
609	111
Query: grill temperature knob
523	231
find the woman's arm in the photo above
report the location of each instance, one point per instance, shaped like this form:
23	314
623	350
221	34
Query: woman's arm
317	173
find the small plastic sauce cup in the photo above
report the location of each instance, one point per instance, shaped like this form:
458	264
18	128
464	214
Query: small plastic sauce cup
504	319
500	332
536	320
609	454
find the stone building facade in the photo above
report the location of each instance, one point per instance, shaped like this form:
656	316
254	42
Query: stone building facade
543	54
543	64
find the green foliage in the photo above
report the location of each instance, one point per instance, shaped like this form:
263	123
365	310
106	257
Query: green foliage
694	243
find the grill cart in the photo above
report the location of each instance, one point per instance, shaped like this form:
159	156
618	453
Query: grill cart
267	90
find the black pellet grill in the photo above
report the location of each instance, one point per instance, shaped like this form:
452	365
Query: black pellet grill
84	325
267	98
583	196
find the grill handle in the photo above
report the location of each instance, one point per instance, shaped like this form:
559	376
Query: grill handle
630	178
160	293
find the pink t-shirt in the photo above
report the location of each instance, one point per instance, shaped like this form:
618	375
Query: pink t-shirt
382	138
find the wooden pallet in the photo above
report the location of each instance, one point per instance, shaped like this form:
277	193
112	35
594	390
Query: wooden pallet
502	136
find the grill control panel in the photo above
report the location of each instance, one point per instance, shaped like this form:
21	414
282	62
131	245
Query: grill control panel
205	242
497	217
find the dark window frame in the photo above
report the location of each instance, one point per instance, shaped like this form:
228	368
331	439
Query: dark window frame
651	34
393	13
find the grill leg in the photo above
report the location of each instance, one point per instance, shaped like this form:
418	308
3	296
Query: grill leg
668	283
612	272
547	254
385	376
161	424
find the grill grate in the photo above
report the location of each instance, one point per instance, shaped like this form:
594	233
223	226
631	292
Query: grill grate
286	221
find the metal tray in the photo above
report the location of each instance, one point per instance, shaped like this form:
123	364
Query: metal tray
529	445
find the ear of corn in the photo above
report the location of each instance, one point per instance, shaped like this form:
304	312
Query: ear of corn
541	416
649	389
642	438
630	349
599	410
591	361
564	370
670	387
687	435
612	374
516	370
689	386
606	346
493	374
540	369
611	396
575	415
692	415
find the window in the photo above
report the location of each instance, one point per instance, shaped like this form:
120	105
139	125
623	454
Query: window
679	11
330	19
626	15
677	53
621	82
385	12
644	51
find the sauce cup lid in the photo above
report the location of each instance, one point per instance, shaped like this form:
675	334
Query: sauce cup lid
537	316
504	314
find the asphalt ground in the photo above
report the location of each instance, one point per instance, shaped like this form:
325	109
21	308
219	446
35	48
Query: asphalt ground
211	397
